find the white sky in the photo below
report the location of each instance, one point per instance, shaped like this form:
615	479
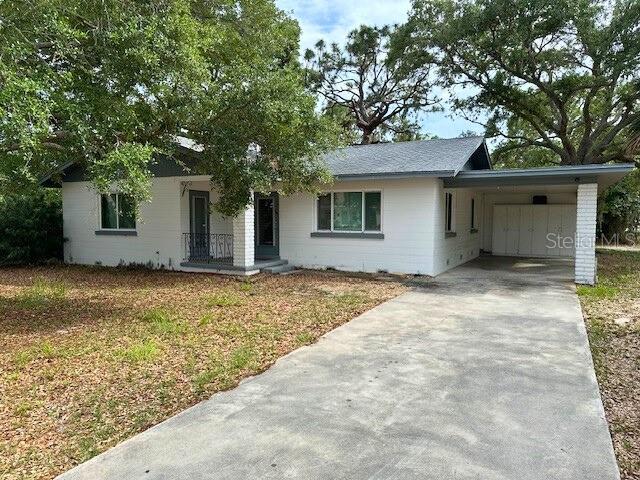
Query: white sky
331	20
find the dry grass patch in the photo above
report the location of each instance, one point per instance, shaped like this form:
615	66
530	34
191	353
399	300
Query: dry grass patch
92	356
612	312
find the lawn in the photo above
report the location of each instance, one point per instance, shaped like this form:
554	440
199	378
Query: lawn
92	356
612	313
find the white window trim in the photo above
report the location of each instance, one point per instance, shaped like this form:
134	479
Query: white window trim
117	229
453	212
362	192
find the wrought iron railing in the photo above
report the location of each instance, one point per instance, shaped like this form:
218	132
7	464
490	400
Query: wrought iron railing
208	247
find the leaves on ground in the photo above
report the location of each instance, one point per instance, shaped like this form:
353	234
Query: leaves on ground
612	313
92	356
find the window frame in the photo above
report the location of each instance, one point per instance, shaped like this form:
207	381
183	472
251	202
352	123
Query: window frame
449	222
117	229
474	212
363	212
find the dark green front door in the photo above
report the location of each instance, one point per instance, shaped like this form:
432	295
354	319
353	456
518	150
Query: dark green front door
266	225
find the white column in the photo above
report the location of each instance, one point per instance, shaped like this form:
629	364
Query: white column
243	240
585	268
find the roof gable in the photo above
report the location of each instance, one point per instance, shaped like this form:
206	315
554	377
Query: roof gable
438	157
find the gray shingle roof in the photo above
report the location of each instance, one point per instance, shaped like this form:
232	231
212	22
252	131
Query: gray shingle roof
436	157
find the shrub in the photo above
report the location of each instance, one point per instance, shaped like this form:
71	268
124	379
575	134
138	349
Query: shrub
31	227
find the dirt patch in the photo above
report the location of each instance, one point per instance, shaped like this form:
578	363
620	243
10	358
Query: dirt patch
612	313
92	356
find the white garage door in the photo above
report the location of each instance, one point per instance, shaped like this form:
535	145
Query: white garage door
534	230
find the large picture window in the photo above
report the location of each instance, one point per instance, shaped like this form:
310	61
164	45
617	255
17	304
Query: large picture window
350	212
117	212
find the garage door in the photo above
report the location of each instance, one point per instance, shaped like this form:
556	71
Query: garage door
534	230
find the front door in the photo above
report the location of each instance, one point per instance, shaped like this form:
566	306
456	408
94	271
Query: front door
266	225
199	225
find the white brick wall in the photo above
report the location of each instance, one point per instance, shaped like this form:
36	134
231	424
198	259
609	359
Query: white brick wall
158	240
585	267
450	252
243	238
407	224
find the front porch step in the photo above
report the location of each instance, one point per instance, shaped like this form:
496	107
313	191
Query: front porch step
281	267
275	262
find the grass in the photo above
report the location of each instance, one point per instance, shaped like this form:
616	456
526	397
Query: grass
162	321
92	356
43	292
144	351
612	315
224	299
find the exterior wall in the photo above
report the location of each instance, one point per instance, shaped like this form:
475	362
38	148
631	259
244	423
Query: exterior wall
243	238
585	266
157	242
407	224
217	223
160	225
451	251
491	199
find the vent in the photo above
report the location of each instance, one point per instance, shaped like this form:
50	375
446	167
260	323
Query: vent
539	200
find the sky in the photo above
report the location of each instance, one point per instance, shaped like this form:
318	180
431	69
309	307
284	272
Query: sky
331	20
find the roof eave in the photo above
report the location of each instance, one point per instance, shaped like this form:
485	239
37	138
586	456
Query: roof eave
608	174
394	175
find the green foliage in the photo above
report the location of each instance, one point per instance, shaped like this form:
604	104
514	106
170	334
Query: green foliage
597	292
620	207
109	83
30	227
367	90
556	76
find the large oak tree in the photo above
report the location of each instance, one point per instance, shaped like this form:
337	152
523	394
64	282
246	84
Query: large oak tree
111	83
552	77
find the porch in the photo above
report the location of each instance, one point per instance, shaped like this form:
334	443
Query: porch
242	245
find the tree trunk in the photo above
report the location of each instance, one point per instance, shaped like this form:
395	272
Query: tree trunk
367	137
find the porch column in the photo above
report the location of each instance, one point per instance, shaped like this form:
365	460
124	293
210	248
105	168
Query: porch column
585	266
243	238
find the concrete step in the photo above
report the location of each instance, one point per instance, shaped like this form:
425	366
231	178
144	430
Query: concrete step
270	263
278	269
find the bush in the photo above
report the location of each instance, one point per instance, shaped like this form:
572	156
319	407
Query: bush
620	208
31	227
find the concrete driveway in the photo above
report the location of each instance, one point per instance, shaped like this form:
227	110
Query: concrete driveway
484	373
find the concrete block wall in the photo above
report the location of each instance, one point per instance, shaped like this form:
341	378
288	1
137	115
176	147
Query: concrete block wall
585	265
243	238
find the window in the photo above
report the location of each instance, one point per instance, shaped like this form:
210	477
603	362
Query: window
350	212
449	212
473	214
117	212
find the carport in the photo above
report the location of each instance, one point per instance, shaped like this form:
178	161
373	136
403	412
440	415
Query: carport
541	212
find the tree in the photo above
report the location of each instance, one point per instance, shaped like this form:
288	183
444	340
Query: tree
31	227
556	76
110	83
375	93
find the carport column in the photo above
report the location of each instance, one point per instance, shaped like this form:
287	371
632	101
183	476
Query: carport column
586	233
243	241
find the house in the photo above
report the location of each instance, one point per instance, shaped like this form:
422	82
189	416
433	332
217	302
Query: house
418	207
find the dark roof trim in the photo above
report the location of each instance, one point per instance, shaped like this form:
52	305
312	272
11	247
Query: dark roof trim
538	176
394	175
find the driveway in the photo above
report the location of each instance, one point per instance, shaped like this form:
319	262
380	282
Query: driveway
483	373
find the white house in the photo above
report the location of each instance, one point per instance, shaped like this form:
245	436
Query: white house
419	207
